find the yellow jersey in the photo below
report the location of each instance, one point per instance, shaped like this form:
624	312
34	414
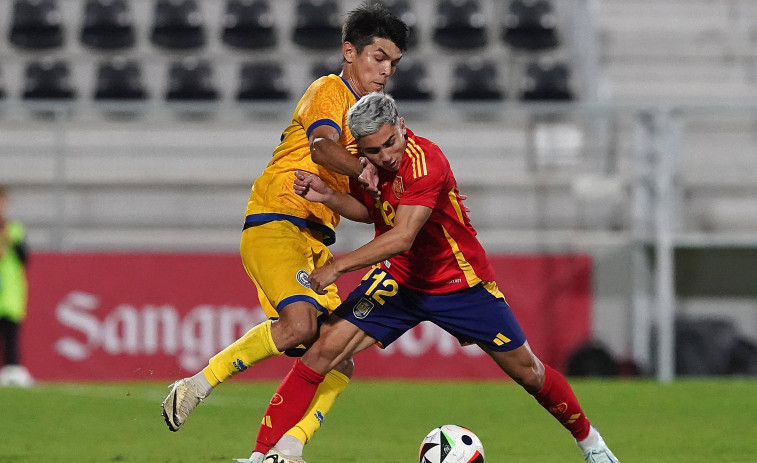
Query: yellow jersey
325	102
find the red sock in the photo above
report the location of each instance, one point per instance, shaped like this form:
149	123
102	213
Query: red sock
558	398
288	404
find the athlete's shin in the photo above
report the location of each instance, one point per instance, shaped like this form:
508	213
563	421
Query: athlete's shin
334	384
256	345
559	399
288	405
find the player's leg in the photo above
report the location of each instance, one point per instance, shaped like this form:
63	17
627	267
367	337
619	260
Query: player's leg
338	341
367	316
491	324
548	387
277	256
274	255
336	380
553	392
9	338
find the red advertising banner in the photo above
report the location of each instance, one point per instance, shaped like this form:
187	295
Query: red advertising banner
162	316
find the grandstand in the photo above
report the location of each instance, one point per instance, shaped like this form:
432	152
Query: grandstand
605	127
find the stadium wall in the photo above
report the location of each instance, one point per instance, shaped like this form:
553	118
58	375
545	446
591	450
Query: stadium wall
157	316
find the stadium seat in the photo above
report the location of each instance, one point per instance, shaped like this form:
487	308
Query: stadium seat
318	24
410	82
191	79
530	25
36	25
108	25
48	80
120	79
248	24
460	24
546	79
476	80
324	67
403	9
178	25
262	81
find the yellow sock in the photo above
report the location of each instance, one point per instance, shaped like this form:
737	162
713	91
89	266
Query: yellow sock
333	385
256	345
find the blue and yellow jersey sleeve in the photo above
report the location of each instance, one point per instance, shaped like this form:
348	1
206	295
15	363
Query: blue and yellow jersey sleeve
325	102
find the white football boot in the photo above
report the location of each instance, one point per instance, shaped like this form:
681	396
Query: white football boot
180	402
275	456
16	376
599	452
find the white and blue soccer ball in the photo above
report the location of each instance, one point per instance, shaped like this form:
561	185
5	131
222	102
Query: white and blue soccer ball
451	444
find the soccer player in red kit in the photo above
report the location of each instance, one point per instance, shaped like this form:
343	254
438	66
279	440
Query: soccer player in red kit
428	266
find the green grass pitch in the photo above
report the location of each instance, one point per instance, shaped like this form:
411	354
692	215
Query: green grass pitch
689	421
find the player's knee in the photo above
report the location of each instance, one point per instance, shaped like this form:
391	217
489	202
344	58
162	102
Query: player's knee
302	331
292	331
322	358
532	381
526	370
345	367
530	375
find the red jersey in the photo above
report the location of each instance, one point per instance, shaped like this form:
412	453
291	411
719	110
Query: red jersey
445	256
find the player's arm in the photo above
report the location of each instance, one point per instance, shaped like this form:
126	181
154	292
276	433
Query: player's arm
326	151
407	223
312	188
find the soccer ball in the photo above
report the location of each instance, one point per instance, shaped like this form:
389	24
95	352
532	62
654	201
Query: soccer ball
451	444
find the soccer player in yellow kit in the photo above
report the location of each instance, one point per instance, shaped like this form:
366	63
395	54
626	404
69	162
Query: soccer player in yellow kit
285	236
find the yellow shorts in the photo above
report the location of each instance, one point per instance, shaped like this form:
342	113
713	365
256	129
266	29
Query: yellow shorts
278	256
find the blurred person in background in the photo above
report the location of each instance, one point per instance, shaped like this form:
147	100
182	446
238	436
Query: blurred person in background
285	236
14	255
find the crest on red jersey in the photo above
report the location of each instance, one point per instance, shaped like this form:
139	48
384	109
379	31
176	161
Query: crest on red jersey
559	408
398	187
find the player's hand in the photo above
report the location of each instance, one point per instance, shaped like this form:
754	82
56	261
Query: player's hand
463	198
311	187
369	177
322	277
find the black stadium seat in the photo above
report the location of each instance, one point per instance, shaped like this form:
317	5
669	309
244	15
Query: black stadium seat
318	24
547	79
531	25
48	80
191	79
460	24
36	25
403	9
120	79
262	81
108	25
178	25
324	67
410	82
476	80
248	24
